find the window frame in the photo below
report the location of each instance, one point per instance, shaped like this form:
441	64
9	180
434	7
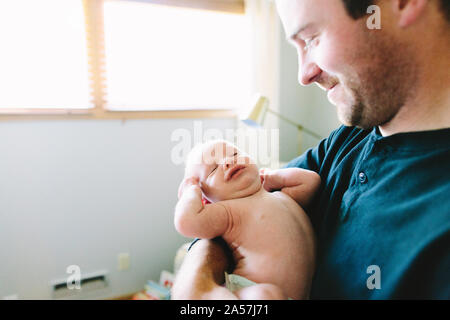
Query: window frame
93	11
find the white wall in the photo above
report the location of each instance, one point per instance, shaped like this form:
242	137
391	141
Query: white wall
81	192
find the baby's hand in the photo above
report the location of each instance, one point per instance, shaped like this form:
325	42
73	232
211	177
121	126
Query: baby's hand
187	183
270	182
300	184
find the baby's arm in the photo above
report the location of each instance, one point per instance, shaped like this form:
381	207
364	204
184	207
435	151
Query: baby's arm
193	219
300	184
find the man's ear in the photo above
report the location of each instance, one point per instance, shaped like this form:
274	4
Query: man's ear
409	11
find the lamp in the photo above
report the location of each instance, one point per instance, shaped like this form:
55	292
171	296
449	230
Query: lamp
256	115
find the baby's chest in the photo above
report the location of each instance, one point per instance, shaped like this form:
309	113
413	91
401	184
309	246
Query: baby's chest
259	221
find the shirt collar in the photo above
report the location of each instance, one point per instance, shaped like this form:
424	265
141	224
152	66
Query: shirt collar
417	140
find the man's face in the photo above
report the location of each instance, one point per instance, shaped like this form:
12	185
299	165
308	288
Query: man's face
367	73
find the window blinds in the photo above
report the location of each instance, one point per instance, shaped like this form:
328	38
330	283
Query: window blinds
173	58
43	58
232	6
53	53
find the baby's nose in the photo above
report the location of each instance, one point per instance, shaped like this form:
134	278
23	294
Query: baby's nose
229	162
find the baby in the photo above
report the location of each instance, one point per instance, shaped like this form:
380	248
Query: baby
268	233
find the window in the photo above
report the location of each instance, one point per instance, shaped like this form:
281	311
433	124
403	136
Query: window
124	55
43	58
175	58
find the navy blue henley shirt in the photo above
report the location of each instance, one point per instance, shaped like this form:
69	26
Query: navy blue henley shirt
382	215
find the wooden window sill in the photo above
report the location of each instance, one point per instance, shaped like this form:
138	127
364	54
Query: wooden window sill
94	114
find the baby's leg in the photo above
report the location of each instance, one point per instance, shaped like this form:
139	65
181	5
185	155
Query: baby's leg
263	291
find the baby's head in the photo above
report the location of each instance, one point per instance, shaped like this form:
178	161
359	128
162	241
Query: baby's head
224	172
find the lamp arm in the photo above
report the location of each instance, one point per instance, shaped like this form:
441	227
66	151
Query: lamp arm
299	126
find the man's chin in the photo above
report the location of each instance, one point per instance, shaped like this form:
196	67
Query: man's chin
351	118
343	115
357	124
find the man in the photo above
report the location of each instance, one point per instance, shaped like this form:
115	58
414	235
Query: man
382	215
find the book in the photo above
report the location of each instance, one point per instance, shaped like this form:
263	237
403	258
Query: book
157	291
166	279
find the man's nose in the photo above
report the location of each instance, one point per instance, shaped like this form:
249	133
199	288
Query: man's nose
308	71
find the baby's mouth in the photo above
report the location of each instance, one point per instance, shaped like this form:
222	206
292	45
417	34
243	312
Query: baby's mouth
234	172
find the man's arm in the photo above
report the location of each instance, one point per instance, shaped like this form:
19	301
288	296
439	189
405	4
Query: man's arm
300	184
202	273
193	219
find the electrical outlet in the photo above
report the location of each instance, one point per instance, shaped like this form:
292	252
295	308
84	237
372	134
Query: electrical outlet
124	261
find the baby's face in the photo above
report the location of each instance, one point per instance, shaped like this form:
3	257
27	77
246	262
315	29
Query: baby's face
225	173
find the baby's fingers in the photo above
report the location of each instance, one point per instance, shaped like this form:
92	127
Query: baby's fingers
187	182
191	181
267	179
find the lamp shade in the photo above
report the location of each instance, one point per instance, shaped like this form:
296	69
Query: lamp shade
255	115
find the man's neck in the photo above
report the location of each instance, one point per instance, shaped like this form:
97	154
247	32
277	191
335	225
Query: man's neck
420	116
428	107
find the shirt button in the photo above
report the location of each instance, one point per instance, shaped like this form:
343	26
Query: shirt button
362	177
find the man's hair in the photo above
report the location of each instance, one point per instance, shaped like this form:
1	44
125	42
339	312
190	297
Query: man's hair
358	8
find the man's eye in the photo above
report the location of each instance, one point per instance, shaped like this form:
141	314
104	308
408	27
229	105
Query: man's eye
308	43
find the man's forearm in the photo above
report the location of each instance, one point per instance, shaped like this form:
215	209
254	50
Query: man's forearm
202	273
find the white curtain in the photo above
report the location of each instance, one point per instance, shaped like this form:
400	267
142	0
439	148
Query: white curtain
265	28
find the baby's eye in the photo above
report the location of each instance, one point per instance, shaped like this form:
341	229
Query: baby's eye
212	171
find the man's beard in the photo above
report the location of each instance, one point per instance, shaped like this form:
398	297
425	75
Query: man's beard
385	78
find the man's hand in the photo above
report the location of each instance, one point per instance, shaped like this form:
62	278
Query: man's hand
202	273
